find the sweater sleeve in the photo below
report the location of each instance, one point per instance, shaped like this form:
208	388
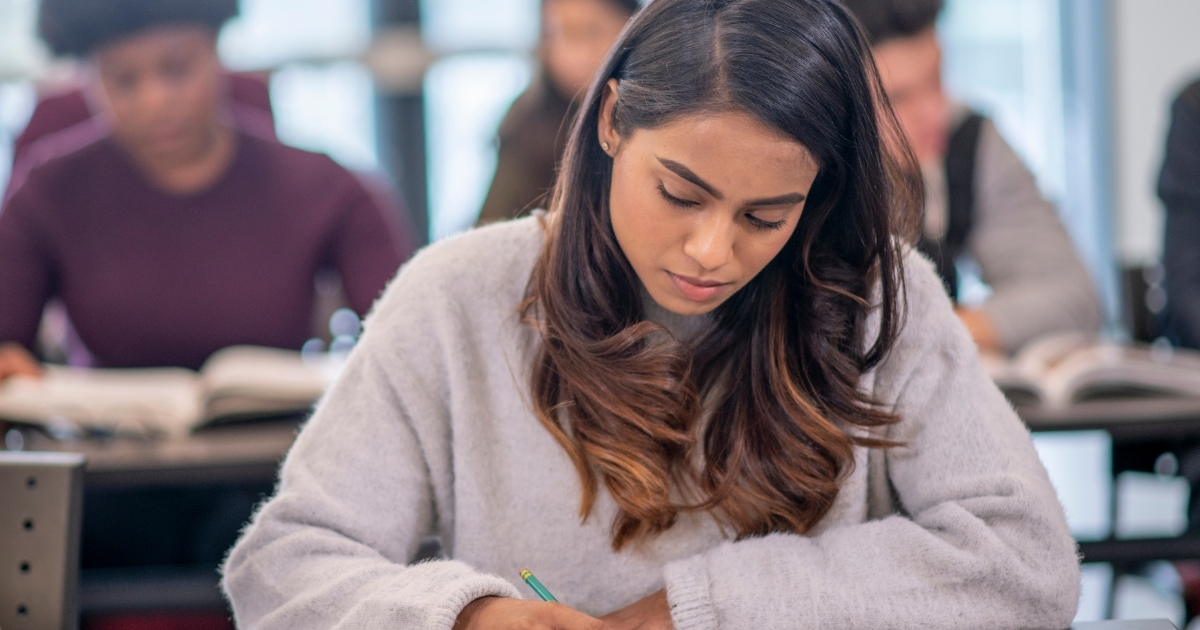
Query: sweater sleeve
26	268
1039	283
982	541
365	481
1179	189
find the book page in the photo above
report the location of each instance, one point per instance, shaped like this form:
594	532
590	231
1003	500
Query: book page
1024	377
256	380
1041	355
146	401
1107	370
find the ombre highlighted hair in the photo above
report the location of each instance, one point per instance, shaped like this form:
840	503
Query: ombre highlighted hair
779	363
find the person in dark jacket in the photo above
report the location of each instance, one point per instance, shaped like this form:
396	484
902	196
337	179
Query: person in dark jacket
576	34
1179	189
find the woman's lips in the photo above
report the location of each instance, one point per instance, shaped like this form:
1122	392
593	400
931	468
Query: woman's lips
695	289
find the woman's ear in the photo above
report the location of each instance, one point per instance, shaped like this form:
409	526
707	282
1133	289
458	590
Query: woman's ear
607	135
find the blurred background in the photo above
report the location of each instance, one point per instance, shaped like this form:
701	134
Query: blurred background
1081	88
417	90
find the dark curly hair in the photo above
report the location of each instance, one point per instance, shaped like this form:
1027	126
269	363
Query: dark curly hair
893	19
779	364
78	27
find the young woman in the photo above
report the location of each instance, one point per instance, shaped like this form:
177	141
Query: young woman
713	388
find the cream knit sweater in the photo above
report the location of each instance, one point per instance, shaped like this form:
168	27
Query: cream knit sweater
430	431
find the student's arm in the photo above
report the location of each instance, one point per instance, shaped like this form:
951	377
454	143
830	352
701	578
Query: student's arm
371	241
982	542
1039	283
356	495
26	281
1179	189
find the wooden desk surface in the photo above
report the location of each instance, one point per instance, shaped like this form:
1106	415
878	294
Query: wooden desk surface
1128	419
253	451
1151	624
246	452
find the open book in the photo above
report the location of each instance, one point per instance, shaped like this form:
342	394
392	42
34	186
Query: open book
235	383
1058	371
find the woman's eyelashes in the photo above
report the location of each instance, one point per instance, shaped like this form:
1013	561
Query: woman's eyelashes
754	221
765	225
673	200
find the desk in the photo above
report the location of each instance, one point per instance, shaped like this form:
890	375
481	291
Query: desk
229	454
1153	624
250	453
235	456
1130	422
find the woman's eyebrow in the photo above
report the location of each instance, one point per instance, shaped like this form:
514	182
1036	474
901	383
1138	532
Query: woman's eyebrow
686	173
789	199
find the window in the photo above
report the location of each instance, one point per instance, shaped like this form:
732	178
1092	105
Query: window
20	57
466	97
322	99
487	64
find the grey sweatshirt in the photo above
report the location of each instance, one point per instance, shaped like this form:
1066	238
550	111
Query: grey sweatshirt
429	430
1039	284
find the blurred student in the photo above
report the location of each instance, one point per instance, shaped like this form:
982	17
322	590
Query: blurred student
576	35
981	199
1179	189
168	229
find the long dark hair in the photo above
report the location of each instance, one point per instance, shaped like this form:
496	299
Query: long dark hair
779	364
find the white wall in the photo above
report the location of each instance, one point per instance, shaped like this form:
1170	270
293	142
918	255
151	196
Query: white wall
1156	52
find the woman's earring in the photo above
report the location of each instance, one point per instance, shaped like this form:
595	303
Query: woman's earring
604	145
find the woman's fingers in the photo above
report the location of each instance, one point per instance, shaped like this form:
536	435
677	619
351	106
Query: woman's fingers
499	613
649	613
567	618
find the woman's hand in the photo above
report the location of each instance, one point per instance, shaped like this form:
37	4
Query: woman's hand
649	613
14	360
502	613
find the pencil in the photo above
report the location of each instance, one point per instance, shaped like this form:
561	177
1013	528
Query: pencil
537	586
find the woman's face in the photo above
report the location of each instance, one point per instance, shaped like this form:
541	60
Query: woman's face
576	35
163	91
700	205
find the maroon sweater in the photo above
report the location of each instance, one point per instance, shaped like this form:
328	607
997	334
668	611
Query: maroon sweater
151	279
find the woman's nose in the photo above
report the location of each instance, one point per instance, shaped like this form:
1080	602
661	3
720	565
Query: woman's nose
711	241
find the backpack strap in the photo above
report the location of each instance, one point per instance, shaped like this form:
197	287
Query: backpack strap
960	181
